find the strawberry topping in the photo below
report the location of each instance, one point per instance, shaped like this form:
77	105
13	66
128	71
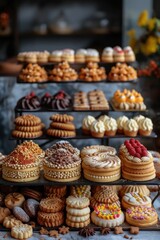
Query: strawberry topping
135	148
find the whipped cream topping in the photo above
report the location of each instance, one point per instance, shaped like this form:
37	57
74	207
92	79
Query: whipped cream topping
68	52
92	52
57	53
121	121
110	124
131	125
146	124
97	149
102	161
97	126
108	51
138	118
103	118
87	122
81	51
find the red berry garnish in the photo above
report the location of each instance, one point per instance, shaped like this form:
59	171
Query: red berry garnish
137	155
32	94
47	94
132	140
126	141
132	152
144	153
139	150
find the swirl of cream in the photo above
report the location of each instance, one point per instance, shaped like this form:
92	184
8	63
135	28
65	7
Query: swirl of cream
131	125
87	122
103	118
97	126
146	124
97	149
121	121
138	118
110	124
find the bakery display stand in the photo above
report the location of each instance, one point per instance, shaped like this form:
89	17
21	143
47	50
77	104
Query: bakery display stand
82	181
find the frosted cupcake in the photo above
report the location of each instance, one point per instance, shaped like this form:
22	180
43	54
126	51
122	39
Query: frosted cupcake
86	124
103	118
129	54
92	55
68	55
120	124
110	127
55	56
130	128
97	129
118	54
138	118
145	127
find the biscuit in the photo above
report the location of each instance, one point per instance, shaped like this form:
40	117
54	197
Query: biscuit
77	224
20	214
23	231
61	118
31	207
20	134
4	212
14	199
27	120
11	221
78	212
63	126
59	191
51	205
78	218
60	133
30	129
77	202
50	219
30	193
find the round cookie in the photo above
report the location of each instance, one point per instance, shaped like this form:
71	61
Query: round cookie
21	134
51	205
77	224
27	120
135	199
60	133
30	193
13	200
4	212
56	191
11	221
29	129
78	212
63	126
77	202
141	216
20	214
31	207
78	219
23	231
62	118
50	219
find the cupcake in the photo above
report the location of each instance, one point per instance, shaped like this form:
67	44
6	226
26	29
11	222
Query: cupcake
145	127
118	54
129	54
138	118
97	128
42	57
110	127
107	55
86	124
80	56
103	118
120	124
130	128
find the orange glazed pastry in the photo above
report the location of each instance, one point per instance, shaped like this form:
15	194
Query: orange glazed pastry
122	72
21	165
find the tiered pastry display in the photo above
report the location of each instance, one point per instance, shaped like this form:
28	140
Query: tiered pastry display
137	162
92	73
50	212
100	163
94	100
62	72
28	126
78	211
21	165
60	100
33	73
61	126
122	72
128	100
62	163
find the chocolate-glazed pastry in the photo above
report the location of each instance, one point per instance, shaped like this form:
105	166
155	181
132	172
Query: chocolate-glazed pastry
46	100
31	101
61	100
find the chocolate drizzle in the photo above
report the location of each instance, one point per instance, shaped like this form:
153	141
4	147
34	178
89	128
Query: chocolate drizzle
31	101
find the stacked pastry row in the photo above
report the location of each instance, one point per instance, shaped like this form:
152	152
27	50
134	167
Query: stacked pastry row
108	126
107	206
92	72
109	55
64	163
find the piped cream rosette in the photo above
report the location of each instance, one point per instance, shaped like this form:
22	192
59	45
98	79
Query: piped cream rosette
101	166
